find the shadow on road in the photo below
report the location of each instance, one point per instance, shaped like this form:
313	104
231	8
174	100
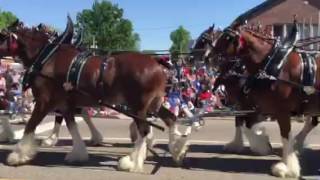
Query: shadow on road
199	158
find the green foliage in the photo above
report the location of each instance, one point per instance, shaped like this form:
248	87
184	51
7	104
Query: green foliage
104	22
180	39
6	19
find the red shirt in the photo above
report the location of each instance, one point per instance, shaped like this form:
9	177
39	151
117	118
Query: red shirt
205	95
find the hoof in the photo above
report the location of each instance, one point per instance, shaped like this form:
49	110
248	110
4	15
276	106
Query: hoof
281	170
15	159
234	147
126	164
77	157
49	142
179	150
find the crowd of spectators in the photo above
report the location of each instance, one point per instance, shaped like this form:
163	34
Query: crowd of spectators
191	87
12	99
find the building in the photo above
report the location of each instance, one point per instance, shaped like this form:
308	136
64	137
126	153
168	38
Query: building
277	15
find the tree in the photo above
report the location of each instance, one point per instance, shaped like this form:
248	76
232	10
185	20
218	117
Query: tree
6	19
180	40
105	24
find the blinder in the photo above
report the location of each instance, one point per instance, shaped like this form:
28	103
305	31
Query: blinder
234	38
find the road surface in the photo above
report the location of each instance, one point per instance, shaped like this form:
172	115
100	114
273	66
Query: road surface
205	159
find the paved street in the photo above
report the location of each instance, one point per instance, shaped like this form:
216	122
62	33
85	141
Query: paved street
205	160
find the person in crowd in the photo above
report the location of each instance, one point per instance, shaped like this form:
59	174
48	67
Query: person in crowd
14	97
3	84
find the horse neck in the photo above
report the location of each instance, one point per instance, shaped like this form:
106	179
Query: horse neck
29	52
254	53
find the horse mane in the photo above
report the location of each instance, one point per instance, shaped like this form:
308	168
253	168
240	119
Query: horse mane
261	35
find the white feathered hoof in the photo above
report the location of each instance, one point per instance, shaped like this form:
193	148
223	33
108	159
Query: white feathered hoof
49	142
77	156
6	136
126	164
179	150
16	159
234	147
281	170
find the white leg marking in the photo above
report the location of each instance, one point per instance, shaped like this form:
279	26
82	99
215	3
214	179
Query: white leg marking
24	151
53	138
178	145
150	138
289	166
237	144
258	139
134	162
79	152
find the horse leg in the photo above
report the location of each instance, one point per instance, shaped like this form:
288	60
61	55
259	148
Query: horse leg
25	150
134	135
7	134
237	144
310	123
178	144
289	165
256	135
79	152
134	162
96	137
53	138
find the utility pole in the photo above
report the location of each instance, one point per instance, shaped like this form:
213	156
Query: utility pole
94	44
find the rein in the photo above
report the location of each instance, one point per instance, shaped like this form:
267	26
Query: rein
125	112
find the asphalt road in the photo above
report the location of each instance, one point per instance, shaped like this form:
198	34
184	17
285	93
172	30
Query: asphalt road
205	159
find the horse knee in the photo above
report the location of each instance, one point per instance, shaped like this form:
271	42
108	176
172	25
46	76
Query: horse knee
143	129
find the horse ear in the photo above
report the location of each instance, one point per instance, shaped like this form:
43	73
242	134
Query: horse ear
211	28
15	25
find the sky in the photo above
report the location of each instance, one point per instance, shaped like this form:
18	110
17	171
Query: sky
153	20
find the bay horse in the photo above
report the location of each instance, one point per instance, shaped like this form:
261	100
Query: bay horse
130	78
254	129
6	50
281	94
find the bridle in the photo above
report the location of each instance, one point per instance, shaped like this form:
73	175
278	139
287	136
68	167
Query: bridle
11	42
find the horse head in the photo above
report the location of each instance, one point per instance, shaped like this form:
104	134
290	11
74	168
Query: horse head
8	40
26	43
239	41
204	43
